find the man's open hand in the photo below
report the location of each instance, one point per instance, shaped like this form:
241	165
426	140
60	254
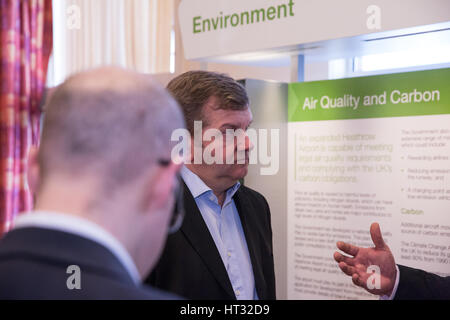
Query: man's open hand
361	258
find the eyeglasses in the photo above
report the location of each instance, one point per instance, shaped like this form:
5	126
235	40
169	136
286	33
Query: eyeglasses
178	213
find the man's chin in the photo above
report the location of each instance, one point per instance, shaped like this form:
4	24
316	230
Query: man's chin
241	171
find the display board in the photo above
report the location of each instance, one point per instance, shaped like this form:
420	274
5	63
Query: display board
363	150
218	28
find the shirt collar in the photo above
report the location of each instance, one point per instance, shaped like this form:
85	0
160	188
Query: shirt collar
193	182
83	228
198	187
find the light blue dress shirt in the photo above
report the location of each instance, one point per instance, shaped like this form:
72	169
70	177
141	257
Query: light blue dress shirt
225	227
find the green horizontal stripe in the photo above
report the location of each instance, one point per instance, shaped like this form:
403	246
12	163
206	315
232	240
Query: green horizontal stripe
393	95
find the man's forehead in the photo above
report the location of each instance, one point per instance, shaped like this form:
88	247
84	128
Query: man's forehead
222	117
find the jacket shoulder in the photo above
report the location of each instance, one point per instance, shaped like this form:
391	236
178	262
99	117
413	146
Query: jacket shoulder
254	195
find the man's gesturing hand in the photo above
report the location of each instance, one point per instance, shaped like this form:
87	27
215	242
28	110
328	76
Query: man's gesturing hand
361	258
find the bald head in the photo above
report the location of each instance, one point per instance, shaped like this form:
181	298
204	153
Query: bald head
109	78
107	122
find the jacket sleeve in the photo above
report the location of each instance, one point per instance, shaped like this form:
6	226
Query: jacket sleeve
417	284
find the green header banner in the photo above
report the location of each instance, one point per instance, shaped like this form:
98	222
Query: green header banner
393	95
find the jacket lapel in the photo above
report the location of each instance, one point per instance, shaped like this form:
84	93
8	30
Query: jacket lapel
196	231
247	215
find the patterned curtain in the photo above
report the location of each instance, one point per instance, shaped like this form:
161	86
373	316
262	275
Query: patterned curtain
25	47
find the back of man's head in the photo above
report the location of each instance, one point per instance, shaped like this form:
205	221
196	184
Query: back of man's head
105	157
109	123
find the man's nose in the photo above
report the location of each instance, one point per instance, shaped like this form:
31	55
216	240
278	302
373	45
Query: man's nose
249	146
244	143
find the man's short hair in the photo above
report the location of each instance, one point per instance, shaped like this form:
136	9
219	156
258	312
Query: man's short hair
193	89
109	122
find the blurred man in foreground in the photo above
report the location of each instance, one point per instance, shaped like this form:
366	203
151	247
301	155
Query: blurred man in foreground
104	185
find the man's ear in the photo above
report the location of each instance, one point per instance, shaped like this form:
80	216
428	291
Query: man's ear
34	172
162	186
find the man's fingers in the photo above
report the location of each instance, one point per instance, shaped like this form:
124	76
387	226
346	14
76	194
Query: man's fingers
357	280
348	270
341	258
377	238
347	248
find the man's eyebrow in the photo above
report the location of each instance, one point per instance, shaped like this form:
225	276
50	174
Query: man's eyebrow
234	125
229	125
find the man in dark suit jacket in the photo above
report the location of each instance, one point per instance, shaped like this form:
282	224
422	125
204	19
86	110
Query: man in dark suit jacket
35	264
104	192
224	247
397	282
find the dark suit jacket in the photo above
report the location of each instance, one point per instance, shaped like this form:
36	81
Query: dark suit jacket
418	284
191	265
34	261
